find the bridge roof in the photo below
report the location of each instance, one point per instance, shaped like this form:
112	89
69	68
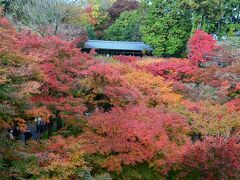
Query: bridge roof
117	45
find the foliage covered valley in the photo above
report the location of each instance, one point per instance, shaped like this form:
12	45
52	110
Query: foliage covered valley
119	117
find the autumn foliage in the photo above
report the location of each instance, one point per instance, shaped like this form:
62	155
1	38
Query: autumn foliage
18	74
177	117
214	158
201	47
125	59
62	67
123	135
174	70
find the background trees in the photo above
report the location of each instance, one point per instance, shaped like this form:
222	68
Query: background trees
47	17
166	27
103	20
219	16
104	13
120	6
231	18
125	28
206	14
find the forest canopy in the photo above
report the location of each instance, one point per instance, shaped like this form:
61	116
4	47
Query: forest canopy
69	114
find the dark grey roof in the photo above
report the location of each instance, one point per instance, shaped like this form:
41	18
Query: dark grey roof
117	45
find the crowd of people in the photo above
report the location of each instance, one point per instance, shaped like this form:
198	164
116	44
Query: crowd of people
15	133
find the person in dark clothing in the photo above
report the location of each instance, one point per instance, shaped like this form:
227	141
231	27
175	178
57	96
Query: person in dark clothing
16	132
38	121
10	134
27	135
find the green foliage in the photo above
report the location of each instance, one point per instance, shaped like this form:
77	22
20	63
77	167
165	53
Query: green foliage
230	29
140	171
214	16
16	164
91	32
167	28
4	5
24	166
125	28
105	176
206	13
73	130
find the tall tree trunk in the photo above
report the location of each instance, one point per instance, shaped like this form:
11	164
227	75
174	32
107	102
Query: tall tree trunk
202	22
56	30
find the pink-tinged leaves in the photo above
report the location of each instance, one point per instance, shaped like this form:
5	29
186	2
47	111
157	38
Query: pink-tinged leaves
135	134
201	47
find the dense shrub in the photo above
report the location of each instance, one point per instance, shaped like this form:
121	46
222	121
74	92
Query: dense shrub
154	90
209	119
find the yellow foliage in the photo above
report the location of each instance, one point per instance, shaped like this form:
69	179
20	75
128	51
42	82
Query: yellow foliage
65	159
155	88
21	123
149	60
214	120
65	169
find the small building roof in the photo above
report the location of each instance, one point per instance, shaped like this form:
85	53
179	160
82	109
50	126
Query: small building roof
117	45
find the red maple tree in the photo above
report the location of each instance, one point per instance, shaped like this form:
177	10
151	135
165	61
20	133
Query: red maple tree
132	135
201	47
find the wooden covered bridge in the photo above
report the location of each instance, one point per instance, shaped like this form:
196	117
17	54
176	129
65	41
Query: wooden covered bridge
118	47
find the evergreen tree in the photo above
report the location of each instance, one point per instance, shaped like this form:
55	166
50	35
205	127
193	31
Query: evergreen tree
167	27
206	14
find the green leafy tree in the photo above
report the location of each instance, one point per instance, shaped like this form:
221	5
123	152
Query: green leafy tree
167	27
125	28
206	14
